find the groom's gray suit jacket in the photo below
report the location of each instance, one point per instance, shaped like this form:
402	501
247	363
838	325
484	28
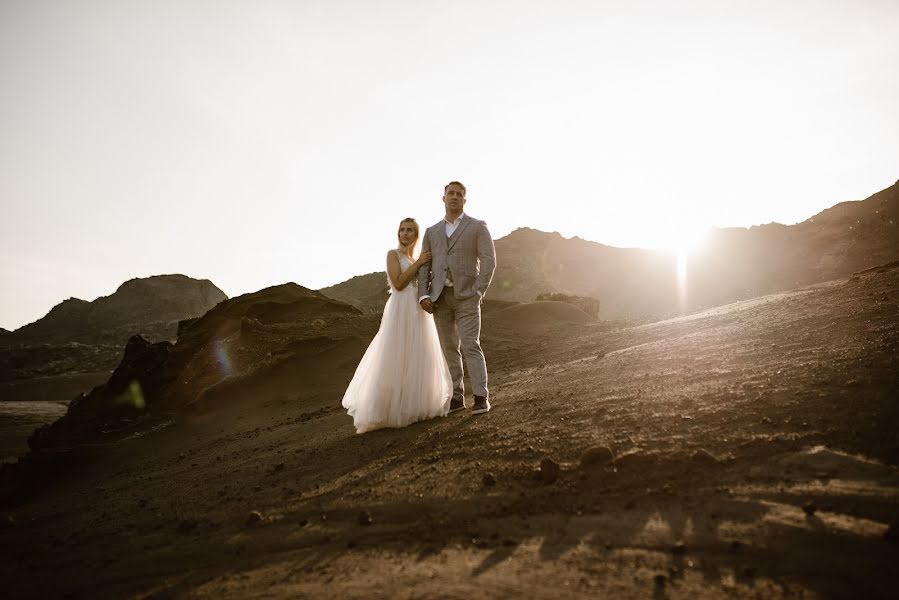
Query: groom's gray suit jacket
468	257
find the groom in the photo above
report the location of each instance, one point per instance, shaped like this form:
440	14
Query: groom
451	288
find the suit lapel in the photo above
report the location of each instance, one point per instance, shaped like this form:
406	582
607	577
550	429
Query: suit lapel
457	233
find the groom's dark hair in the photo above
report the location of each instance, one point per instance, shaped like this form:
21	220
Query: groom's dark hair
459	183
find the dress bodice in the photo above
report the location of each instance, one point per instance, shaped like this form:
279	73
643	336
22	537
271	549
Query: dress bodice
405	264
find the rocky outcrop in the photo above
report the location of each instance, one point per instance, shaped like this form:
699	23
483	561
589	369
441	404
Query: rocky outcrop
135	386
278	341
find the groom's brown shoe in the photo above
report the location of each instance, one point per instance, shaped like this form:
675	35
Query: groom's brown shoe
481	405
456	404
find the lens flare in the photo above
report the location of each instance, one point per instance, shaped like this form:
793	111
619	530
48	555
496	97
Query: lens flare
132	397
222	359
682	263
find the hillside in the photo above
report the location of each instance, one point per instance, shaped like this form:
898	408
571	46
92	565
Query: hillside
744	451
368	292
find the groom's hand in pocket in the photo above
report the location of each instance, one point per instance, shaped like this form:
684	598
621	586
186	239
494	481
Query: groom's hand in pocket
427	306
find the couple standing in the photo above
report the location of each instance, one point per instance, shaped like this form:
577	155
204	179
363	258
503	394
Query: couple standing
412	369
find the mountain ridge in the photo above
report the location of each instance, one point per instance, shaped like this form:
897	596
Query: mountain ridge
735	263
160	299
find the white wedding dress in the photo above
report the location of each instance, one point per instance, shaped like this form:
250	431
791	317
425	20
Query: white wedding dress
403	377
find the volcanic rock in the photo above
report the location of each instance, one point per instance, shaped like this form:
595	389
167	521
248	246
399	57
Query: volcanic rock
596	455
549	470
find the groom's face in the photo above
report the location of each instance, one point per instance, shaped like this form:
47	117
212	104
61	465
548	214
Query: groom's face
454	198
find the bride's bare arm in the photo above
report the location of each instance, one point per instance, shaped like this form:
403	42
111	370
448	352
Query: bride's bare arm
399	278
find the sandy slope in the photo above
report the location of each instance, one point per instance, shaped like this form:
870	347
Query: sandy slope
755	455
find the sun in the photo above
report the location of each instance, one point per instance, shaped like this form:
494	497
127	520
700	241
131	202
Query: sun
683	241
679	238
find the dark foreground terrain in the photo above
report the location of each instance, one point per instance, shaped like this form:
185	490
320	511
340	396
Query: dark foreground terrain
746	451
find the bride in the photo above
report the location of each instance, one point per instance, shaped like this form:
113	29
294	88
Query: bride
403	377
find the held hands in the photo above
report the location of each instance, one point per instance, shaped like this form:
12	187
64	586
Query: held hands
423	259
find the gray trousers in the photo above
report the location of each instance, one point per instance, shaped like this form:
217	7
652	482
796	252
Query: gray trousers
459	327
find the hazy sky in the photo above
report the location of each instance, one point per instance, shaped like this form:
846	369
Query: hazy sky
259	142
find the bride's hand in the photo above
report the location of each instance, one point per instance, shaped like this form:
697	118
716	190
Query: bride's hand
424	258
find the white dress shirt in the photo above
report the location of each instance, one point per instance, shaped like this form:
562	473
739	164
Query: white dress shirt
451	227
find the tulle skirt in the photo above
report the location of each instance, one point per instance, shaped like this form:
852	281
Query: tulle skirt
403	377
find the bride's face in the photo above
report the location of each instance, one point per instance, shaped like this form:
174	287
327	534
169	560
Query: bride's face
406	234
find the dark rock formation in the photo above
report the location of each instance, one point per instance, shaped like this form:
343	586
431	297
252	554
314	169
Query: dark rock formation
134	387
276	341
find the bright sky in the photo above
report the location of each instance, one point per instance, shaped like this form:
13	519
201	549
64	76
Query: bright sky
255	143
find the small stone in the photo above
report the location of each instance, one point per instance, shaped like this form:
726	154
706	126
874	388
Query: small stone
489	479
187	525
705	457
634	460
364	518
679	548
596	455
549	470
254	517
810	507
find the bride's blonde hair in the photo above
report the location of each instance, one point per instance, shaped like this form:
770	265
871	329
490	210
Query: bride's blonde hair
411	247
